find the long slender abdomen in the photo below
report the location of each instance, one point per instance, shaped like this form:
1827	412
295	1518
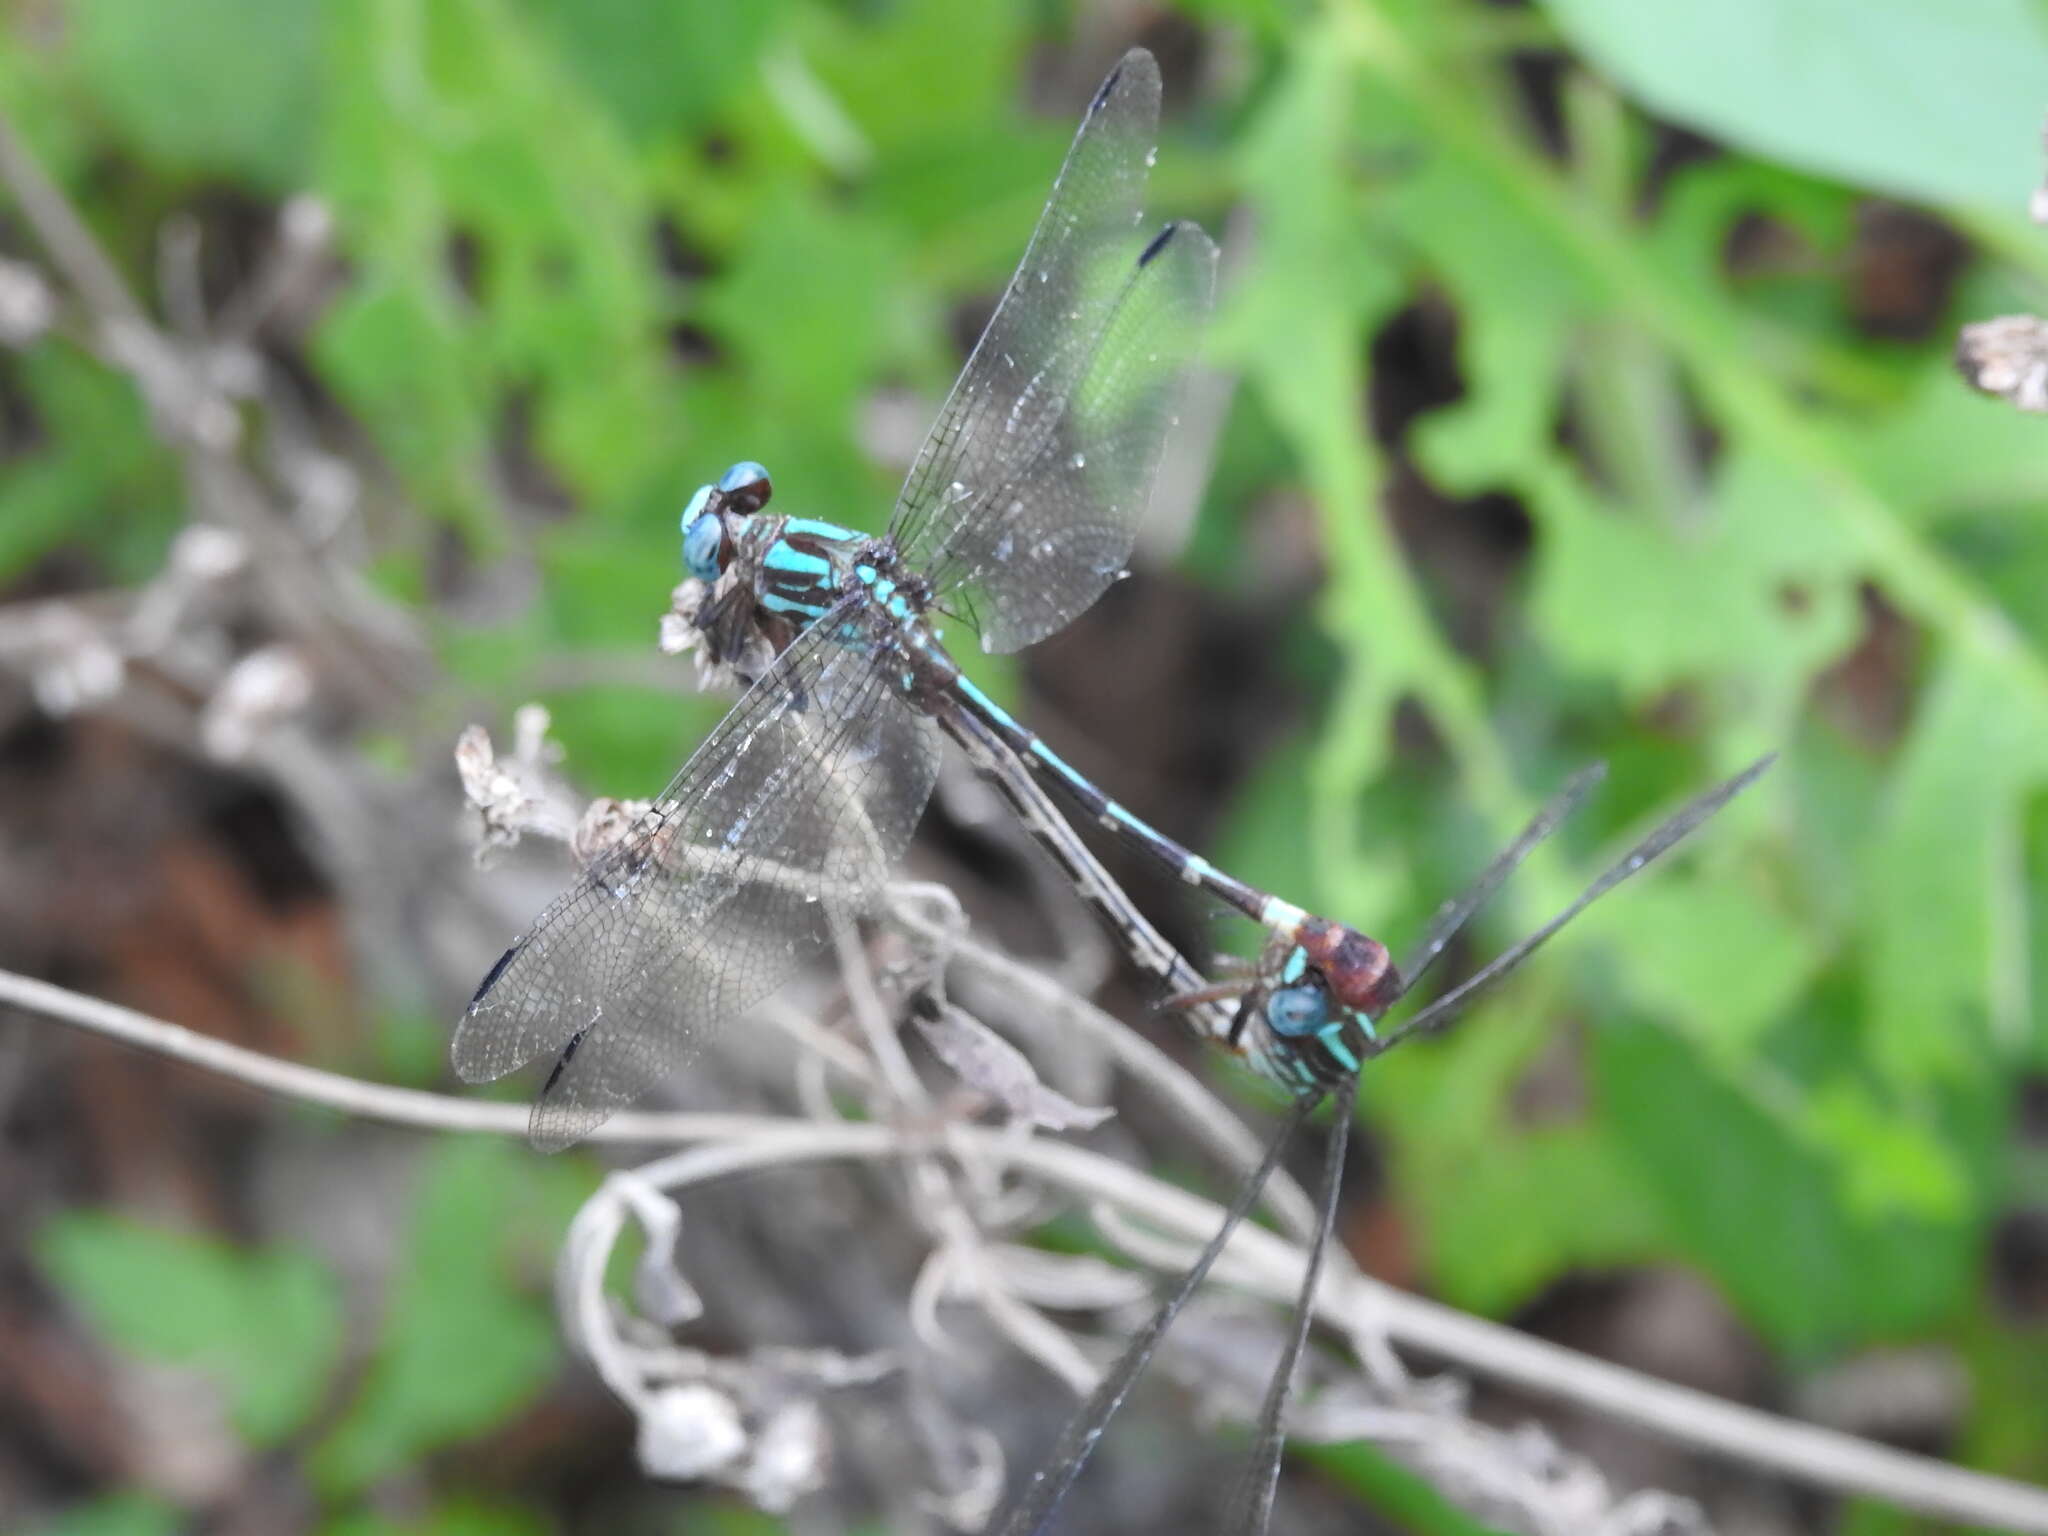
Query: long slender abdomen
1107	813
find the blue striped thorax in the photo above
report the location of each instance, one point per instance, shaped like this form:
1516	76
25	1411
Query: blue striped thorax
775	576
794	566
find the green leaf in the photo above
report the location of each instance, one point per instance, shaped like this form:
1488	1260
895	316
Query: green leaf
463	1518
1760	1207
1946	928
464	1346
120	1514
506	282
1710	953
1409	1501
264	1324
94	475
1297	328
1893	1164
960	58
663	69
1754	591
1503	1206
207	86
1939	102
801	307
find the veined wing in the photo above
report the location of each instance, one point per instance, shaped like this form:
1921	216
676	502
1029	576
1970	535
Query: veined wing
1025	499
796	804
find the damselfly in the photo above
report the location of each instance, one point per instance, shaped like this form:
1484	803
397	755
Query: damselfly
1020	510
1018	513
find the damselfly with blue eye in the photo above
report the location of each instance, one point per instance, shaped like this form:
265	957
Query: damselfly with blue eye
1018	513
1020	509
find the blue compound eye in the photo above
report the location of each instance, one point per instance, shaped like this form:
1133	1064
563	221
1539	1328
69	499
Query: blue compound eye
745	486
1293	1011
703	541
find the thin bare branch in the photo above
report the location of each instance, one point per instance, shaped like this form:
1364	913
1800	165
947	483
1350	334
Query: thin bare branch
1266	1264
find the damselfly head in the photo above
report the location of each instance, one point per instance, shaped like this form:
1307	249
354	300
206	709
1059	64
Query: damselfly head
704	537
709	519
1357	970
745	487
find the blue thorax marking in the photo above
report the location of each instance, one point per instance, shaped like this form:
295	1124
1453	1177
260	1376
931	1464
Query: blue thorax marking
1332	1038
785	556
781	604
810	527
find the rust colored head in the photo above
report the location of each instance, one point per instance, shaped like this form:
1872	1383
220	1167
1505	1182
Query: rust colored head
1357	969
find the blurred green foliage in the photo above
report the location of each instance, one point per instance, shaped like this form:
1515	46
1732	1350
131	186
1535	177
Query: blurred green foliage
462	1345
266	1327
668	236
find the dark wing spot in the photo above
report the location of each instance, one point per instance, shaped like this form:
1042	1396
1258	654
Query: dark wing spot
496	971
1158	244
562	1062
1108	85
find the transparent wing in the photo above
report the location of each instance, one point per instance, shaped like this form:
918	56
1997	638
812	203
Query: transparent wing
1051	528
1024	501
797	803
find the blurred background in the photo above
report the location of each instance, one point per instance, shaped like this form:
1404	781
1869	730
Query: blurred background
1582	387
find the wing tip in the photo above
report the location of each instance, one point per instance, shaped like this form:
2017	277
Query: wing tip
1137	64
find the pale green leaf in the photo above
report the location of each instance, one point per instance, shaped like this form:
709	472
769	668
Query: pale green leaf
209	86
1945	933
663	69
1940	102
265	1325
1761	1209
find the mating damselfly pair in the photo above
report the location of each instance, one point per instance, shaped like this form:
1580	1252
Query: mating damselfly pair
1019	511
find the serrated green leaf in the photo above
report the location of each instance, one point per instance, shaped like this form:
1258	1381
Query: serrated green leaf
458	150
1506	1217
1502	1207
1865	90
800	308
1753	589
1296	327
265	1324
